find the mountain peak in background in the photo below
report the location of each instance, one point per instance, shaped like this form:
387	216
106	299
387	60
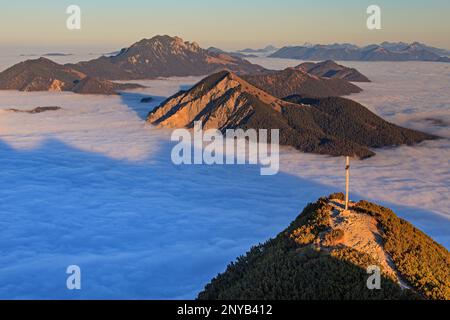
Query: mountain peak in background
164	56
43	74
386	51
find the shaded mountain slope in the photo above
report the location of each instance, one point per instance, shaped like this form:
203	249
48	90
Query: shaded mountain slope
350	120
324	255
336	127
330	69
39	75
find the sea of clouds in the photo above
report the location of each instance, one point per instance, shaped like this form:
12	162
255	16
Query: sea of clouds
92	185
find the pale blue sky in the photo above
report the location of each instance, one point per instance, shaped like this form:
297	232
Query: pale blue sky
226	24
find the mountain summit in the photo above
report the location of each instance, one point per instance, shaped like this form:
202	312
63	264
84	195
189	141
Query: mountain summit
163	56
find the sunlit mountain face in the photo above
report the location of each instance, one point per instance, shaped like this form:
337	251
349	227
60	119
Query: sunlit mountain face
93	184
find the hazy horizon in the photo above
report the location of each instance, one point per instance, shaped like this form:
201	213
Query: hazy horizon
223	25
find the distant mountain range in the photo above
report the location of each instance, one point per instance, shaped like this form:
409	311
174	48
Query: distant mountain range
163	56
333	126
45	75
325	253
386	51
215	50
